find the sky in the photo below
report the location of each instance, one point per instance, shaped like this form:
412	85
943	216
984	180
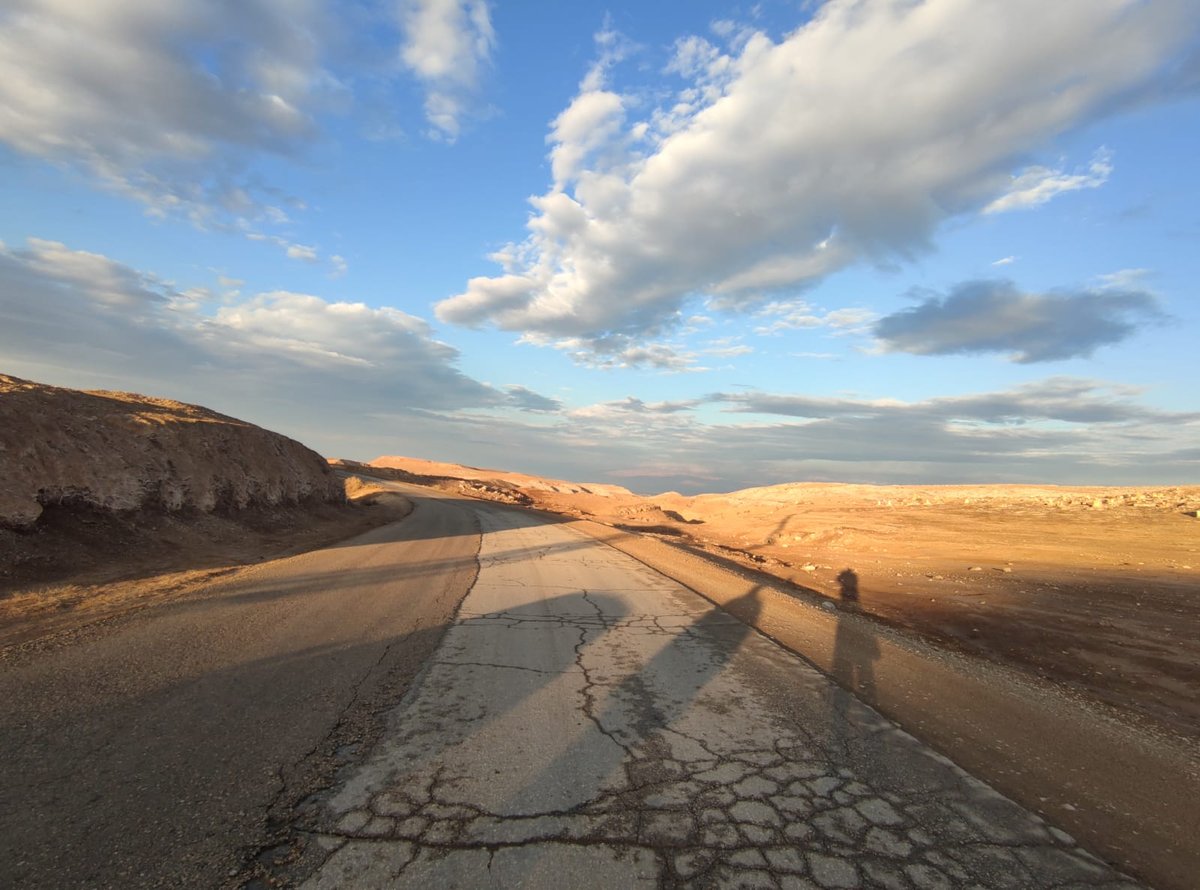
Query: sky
683	245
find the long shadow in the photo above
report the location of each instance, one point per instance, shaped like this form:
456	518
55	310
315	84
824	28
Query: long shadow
854	654
301	584
639	716
459	705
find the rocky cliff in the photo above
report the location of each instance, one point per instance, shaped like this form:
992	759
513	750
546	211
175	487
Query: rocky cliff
116	452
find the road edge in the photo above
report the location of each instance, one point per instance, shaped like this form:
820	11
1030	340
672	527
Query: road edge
1035	744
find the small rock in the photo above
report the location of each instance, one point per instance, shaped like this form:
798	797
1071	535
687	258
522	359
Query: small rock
975	569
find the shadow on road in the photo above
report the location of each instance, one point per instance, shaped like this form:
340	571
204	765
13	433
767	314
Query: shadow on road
854	652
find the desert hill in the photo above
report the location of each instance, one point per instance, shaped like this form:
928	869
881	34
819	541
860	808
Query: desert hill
1095	588
99	488
498	478
116	452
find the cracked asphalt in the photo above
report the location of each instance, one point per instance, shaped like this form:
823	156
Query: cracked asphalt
587	722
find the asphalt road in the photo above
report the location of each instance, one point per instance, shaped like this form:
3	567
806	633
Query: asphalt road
158	750
587	722
584	721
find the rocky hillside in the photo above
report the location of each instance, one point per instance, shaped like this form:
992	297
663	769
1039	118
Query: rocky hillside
115	452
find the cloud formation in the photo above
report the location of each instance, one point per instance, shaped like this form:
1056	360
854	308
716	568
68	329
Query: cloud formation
1037	185
1065	399
446	44
994	316
288	358
165	102
1061	430
177	103
849	140
360	381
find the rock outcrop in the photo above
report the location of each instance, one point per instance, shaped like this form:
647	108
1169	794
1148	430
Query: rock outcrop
116	452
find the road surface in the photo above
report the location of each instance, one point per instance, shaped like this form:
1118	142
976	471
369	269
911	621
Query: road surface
587	722
325	720
153	751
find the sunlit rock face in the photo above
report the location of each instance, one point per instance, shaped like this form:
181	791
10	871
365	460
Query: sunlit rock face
117	452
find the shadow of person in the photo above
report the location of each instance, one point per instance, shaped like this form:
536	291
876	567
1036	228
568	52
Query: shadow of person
655	665
855	649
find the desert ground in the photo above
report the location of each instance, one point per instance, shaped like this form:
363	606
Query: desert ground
1094	589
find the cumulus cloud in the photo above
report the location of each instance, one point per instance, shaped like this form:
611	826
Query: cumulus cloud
167	101
849	140
447	45
1037	185
177	104
995	316
294	359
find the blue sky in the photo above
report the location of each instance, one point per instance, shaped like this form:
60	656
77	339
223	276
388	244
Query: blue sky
696	246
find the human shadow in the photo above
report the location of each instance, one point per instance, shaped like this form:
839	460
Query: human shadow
854	652
637	723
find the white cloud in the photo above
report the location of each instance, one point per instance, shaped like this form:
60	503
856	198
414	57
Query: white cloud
447	45
304	252
164	102
1037	185
621	352
294	359
1123	278
728	350
789	315
1004	261
849	140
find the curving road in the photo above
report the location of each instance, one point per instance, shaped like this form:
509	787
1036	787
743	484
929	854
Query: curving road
587	722
583	722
